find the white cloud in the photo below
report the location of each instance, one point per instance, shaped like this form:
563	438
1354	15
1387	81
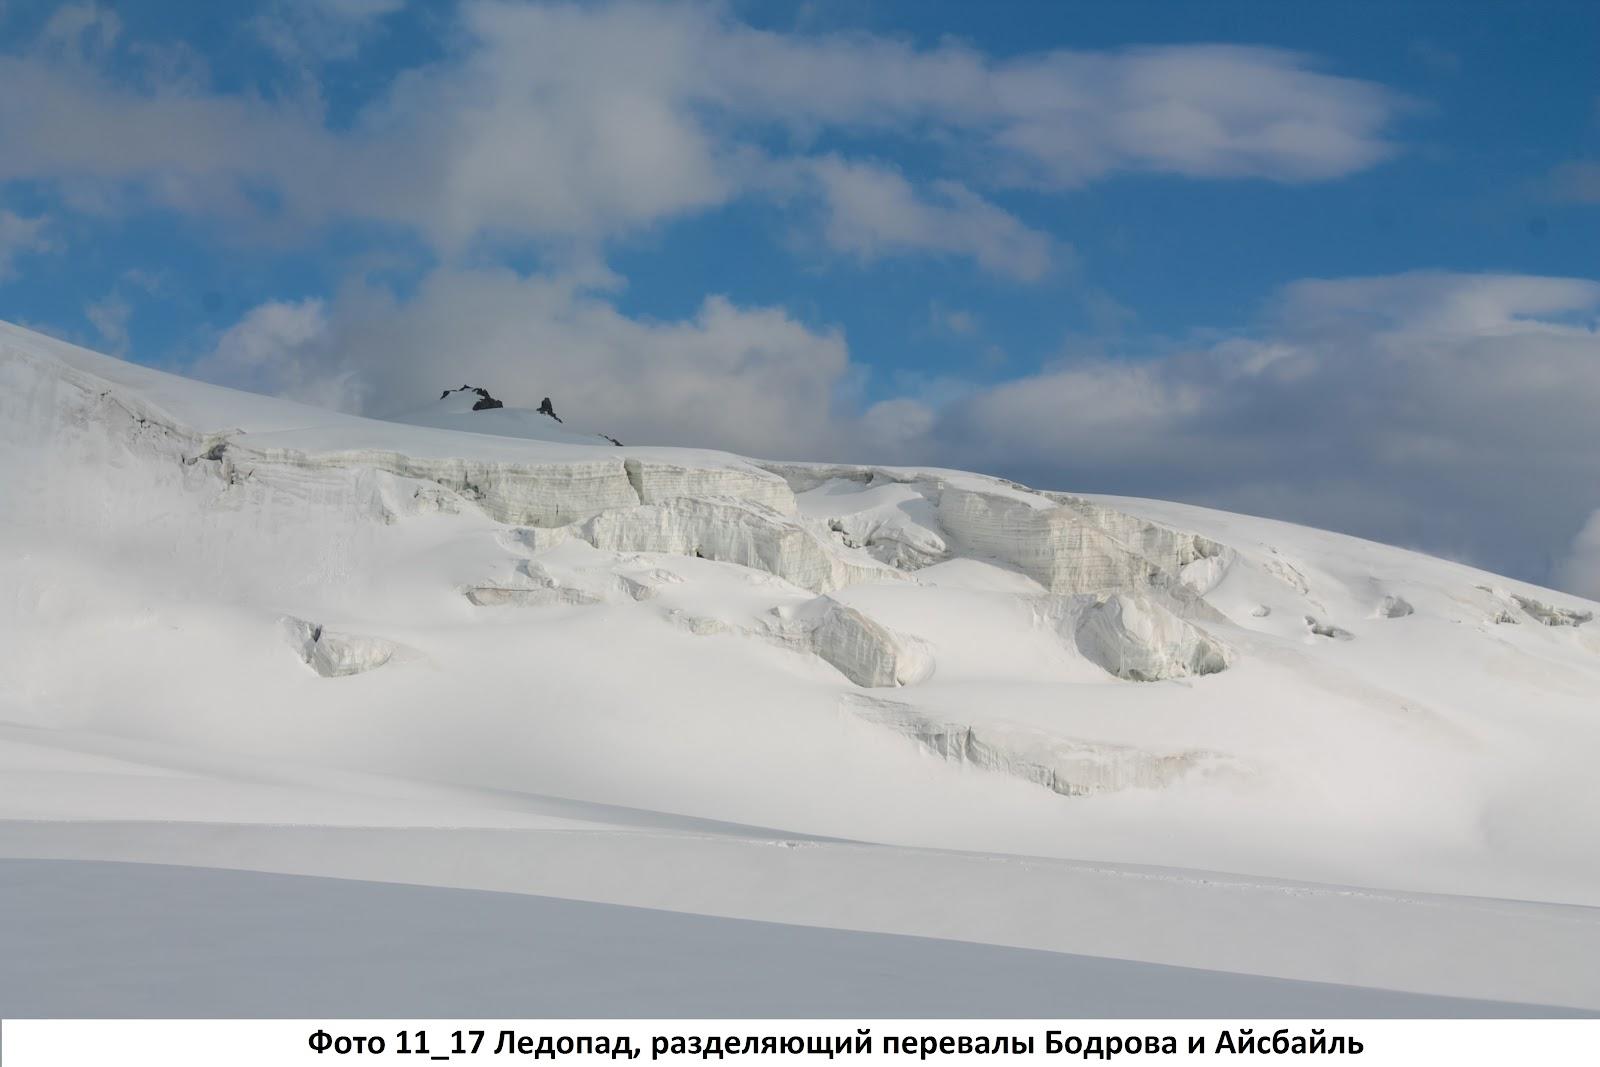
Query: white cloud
80	31
1061	118
307	30
1206	111
873	211
20	235
567	122
276	348
190	151
893	426
1451	412
751	379
1580	570
109	316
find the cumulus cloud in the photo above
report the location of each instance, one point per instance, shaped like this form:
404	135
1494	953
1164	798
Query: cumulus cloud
559	121
748	379
276	348
67	121
1449	412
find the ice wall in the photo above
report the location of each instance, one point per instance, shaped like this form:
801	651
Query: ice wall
1056	546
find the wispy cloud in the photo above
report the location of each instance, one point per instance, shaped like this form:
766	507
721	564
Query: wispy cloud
20	235
1577	181
952	320
112	314
560	122
873	211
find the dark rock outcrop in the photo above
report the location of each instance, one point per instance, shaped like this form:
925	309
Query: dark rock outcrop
485	402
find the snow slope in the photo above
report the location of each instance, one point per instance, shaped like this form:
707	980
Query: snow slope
320	947
240	632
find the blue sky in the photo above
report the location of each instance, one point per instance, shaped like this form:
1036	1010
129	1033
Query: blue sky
1334	263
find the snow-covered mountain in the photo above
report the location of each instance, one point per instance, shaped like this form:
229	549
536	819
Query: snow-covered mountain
488	650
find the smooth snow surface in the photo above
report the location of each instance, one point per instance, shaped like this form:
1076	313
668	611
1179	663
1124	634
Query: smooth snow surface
207	943
487	651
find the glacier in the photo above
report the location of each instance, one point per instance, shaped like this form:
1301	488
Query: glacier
237	631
